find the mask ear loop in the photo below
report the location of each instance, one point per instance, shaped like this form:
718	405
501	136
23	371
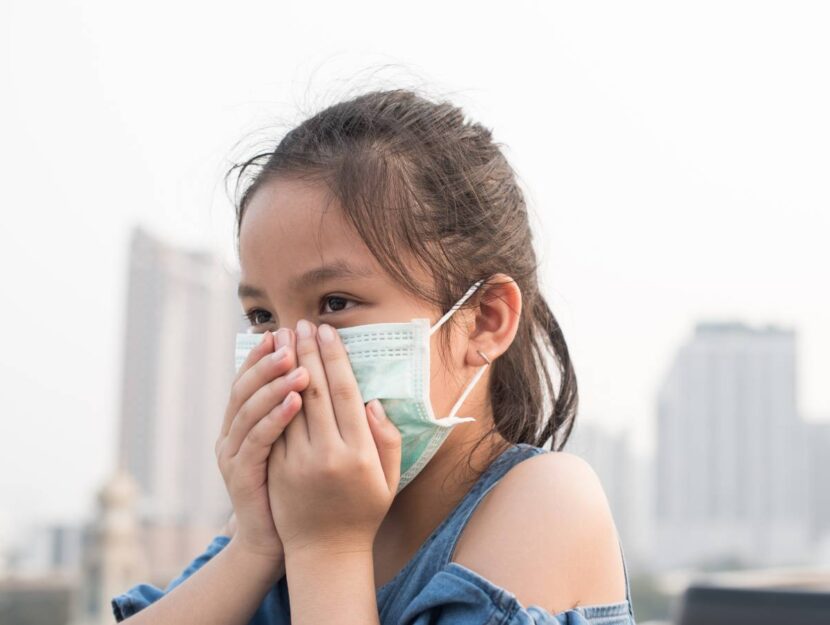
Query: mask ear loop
481	369
455	306
470	386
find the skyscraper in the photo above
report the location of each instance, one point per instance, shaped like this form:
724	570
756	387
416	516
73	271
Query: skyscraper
182	315
730	457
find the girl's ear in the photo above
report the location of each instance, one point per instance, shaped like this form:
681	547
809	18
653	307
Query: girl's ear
495	320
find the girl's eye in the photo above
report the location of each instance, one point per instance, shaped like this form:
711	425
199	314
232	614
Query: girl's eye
337	302
253	318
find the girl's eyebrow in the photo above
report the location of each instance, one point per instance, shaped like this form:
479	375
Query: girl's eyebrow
336	269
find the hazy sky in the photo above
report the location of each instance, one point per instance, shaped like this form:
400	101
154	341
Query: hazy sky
676	160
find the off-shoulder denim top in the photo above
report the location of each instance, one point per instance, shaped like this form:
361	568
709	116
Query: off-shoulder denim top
430	588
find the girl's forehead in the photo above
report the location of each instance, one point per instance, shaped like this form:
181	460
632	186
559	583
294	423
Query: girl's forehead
289	228
288	219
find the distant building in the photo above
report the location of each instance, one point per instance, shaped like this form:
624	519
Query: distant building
41	581
731	461
181	317
114	556
37	600
47	549
166	500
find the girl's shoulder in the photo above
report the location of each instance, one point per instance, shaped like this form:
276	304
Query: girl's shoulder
532	542
545	533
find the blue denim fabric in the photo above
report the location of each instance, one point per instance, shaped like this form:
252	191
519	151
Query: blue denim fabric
272	611
430	589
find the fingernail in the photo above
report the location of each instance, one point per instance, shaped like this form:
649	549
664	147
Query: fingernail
377	410
283	336
303	329
326	333
280	353
294	375
288	399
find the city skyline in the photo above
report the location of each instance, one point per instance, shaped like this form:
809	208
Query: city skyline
180	325
727	422
665	189
734	483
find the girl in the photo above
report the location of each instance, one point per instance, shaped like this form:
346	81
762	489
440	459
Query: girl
372	225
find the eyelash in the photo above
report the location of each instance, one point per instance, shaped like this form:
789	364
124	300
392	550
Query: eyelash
250	316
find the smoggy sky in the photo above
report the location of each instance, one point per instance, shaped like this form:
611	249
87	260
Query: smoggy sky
676	161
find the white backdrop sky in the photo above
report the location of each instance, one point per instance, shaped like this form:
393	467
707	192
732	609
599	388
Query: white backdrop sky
676	158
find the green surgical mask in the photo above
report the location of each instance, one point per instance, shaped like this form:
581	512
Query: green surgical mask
390	362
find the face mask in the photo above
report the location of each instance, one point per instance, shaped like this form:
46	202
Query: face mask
390	362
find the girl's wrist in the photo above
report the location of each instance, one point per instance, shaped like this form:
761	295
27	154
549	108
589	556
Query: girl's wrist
265	565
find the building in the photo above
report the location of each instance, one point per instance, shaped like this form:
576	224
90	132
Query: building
731	465
182	315
114	556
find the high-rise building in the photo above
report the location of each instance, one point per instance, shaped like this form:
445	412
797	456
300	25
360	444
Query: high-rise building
182	315
730	458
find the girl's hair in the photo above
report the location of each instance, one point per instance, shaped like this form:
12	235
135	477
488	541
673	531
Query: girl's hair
411	174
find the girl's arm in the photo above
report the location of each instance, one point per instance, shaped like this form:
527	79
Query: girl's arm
230	527
207	597
330	584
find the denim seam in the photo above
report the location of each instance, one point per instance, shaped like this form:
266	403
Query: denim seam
503	602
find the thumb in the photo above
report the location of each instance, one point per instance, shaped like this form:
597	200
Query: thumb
388	442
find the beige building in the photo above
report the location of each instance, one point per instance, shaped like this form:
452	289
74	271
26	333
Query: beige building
731	463
167	499
181	319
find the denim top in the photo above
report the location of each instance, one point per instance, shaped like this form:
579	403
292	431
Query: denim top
430	589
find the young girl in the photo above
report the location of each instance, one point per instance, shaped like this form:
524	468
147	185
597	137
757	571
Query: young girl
376	475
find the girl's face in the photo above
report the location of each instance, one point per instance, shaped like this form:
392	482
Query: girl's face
301	259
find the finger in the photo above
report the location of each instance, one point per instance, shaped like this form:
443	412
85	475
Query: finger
257	444
296	433
277	453
387	439
349	409
264	399
265	346
256	371
317	406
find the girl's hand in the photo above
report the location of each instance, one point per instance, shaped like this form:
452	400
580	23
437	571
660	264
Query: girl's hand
333	474
263	400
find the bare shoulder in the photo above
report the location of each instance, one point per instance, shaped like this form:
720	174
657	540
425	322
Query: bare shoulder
545	532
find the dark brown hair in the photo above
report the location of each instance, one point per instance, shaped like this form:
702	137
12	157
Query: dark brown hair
411	174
